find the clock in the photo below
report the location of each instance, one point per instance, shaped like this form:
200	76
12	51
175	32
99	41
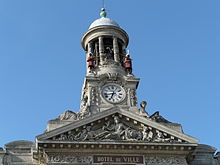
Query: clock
113	93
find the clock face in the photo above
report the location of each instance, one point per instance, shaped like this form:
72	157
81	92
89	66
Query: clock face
113	93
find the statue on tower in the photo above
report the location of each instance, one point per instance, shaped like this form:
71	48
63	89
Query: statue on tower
91	62
128	64
142	109
109	53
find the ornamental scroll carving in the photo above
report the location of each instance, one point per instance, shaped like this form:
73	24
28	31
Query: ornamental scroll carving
115	129
59	158
94	95
156	160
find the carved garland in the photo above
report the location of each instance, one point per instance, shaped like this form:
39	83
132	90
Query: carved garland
156	160
69	159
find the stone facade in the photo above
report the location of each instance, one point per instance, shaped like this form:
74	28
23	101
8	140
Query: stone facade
109	128
25	153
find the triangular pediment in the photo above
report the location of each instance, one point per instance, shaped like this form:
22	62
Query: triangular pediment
116	125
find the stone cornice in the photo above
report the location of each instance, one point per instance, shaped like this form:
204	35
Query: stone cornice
129	115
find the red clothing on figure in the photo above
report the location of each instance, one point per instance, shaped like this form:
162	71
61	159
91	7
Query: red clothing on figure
128	64
91	62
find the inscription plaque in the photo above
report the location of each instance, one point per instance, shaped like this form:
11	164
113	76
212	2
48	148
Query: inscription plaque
118	159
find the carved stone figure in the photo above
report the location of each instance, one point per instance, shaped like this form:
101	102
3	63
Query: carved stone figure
158	118
147	134
142	110
160	137
93	134
133	97
133	135
67	115
82	135
109	53
119	130
116	130
128	64
91	62
150	134
144	133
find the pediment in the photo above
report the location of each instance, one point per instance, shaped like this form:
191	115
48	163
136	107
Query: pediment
116	125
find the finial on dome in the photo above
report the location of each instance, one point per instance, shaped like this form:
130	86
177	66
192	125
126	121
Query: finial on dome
103	12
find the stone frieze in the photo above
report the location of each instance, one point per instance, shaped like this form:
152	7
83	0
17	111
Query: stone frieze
172	160
116	129
60	158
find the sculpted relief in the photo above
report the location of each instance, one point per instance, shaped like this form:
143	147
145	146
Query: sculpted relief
156	160
67	115
133	97
117	129
153	160
59	158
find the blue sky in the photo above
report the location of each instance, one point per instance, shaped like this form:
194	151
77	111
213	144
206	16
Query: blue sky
174	46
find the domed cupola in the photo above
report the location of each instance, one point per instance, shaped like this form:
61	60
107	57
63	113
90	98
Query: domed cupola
105	44
103	21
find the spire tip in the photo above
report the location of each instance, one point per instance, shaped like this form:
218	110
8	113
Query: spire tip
103	12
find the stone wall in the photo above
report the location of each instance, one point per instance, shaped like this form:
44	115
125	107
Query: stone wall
205	155
21	153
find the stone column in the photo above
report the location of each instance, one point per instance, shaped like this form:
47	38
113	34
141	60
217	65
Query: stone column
96	53
101	50
89	50
116	49
89	47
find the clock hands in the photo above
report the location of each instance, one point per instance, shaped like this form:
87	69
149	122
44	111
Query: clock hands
110	95
113	94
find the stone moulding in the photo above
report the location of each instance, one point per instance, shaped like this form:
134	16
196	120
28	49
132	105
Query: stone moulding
107	146
139	123
147	160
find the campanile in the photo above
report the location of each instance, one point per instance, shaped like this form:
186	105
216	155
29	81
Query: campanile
109	128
